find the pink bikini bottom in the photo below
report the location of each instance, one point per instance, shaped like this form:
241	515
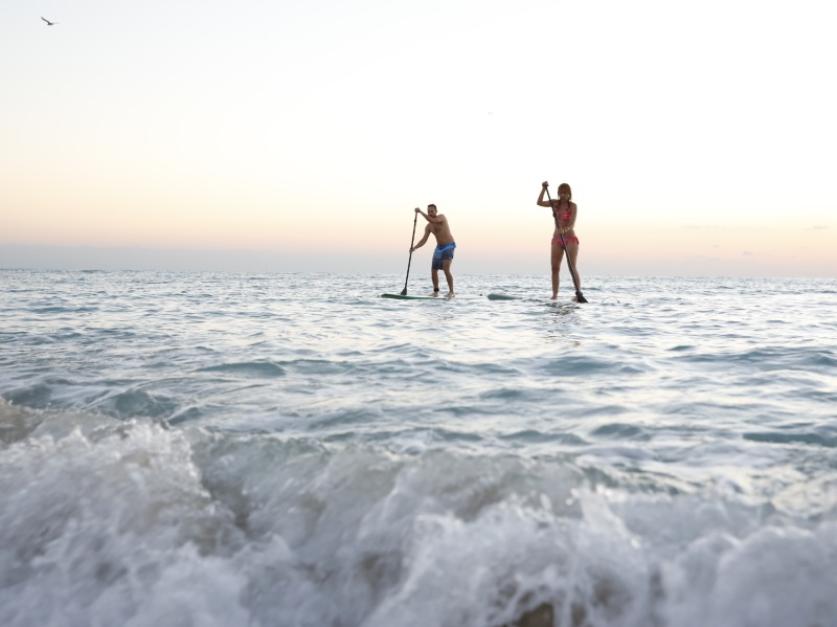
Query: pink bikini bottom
569	239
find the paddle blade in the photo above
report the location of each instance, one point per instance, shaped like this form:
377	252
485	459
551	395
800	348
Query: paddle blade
579	297
404	292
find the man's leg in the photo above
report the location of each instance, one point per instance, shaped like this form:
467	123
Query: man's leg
446	267
434	275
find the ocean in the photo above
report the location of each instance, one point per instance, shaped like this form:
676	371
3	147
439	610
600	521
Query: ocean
292	450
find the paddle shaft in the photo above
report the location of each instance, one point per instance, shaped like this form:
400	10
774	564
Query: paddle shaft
410	258
578	295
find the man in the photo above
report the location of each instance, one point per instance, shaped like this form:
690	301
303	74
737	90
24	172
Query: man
443	255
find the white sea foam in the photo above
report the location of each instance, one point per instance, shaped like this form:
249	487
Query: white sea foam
139	524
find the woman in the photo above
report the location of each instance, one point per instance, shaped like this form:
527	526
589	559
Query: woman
564	211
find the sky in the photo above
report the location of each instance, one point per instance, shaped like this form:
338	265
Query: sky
699	137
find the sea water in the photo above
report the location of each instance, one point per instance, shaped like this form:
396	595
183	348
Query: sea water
291	449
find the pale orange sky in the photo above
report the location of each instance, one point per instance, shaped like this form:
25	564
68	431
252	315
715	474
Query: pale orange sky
316	130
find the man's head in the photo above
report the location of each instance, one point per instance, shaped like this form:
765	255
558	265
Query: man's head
431	209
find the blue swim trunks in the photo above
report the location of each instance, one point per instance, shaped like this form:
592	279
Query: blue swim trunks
441	254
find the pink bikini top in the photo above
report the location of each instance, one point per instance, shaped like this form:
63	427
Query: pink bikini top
563	216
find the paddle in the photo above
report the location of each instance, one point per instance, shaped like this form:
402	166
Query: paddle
410	258
579	297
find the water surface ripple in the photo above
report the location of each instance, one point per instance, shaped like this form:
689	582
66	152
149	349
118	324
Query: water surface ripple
198	448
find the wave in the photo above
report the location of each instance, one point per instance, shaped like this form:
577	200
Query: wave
136	403
573	365
17	424
37	395
621	431
134	523
266	369
59	309
773	358
782	437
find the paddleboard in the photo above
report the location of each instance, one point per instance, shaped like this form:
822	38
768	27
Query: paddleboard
408	297
561	303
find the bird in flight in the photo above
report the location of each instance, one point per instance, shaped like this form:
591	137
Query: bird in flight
48	23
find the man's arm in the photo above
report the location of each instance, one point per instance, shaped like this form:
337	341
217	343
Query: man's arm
437	220
422	241
541	201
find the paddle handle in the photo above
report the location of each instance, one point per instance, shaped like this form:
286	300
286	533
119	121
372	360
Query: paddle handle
578	295
410	258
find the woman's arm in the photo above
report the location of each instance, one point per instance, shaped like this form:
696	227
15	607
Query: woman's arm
541	201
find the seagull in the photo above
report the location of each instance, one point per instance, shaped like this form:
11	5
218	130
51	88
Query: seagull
48	23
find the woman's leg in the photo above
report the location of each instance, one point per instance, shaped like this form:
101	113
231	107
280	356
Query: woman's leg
572	255
557	254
